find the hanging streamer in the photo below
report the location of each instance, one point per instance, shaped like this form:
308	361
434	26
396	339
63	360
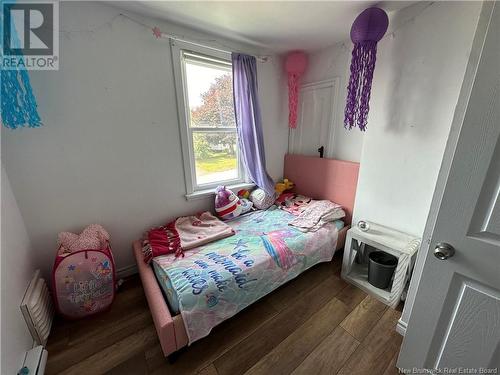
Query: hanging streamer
368	28
295	66
18	104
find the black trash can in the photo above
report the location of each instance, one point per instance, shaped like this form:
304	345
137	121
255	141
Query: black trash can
381	266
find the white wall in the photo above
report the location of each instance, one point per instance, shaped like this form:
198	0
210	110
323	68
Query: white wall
418	75
329	63
420	67
446	163
17	270
419	71
109	151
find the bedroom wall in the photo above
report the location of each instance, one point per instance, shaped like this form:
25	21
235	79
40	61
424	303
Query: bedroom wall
109	151
420	68
17	269
419	72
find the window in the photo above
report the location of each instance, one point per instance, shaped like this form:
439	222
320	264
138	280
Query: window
208	126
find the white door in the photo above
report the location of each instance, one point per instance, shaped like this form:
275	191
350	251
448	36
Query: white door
455	320
315	119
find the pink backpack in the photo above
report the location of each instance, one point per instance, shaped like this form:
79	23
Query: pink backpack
84	280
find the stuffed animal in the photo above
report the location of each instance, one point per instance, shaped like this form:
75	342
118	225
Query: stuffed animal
227	204
285	199
243	193
261	200
285	185
246	205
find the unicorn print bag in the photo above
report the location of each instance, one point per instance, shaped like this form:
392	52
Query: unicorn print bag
83	277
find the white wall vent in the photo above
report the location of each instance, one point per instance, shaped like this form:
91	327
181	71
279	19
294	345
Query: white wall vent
34	362
37	309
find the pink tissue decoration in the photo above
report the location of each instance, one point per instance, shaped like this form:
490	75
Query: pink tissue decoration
368	28
295	66
156	32
370	25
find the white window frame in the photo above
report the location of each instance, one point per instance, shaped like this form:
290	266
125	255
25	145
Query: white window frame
194	190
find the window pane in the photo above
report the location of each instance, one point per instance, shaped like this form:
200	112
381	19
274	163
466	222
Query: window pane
215	156
210	94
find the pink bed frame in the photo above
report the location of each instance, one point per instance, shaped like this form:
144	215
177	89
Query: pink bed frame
331	179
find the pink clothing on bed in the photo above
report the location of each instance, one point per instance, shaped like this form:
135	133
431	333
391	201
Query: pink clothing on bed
184	233
201	229
317	214
295	203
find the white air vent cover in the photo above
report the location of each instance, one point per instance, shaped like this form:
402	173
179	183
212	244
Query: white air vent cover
37	309
35	361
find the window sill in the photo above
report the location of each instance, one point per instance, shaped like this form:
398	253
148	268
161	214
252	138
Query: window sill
200	194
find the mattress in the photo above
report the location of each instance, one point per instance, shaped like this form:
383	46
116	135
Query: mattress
215	281
168	290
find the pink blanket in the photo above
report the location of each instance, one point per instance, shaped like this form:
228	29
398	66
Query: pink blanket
184	233
317	214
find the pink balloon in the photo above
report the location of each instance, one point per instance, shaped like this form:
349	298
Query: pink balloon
296	62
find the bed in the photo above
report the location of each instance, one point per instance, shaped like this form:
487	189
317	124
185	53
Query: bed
258	243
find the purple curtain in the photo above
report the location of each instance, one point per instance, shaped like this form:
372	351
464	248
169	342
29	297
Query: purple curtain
249	120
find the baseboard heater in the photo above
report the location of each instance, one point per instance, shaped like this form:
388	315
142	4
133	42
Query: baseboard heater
34	362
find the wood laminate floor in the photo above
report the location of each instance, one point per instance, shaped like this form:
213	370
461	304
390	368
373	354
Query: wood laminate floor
315	324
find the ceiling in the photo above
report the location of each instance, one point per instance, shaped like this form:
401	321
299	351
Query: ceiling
274	25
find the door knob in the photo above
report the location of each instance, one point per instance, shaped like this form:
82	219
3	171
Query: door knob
444	251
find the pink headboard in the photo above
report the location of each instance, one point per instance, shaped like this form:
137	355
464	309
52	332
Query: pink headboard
331	179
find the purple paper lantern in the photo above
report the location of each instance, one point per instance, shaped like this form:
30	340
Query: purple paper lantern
368	28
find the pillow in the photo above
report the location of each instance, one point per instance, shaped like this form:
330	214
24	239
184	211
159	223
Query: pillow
261	200
246	205
284	197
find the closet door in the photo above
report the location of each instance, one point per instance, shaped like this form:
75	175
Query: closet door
317	102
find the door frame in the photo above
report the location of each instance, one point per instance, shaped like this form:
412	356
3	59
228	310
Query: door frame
333	84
